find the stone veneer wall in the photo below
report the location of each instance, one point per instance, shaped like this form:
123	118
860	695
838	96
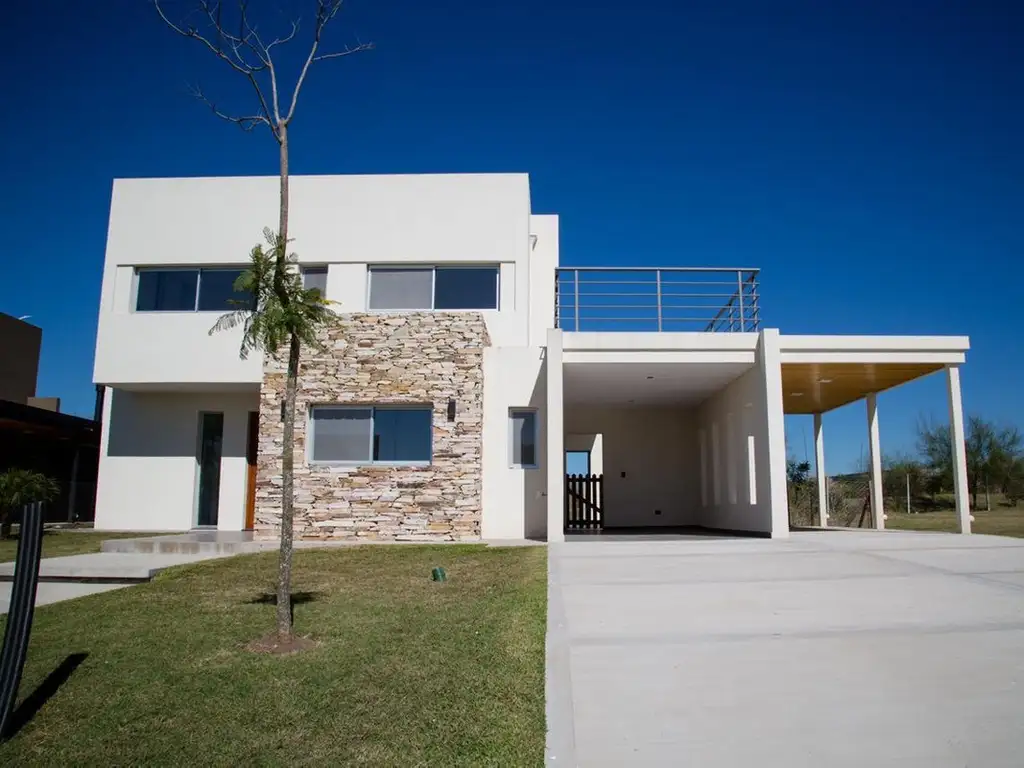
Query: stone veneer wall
378	359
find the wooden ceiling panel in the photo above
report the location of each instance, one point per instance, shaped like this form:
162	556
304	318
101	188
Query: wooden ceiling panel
820	387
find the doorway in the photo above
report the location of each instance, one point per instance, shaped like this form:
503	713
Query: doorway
211	448
251	451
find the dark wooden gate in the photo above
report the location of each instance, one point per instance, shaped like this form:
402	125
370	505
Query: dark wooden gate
584	502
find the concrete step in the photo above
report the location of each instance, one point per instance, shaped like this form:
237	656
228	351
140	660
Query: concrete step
109	567
195	543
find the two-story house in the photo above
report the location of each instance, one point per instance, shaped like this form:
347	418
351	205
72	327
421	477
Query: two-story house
465	366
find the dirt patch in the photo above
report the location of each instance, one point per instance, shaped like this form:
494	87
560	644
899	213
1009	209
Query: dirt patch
272	643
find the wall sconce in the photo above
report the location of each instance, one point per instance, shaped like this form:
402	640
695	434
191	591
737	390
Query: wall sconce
451	409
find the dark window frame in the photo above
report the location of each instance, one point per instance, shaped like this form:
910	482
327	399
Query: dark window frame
534	418
314	269
372	446
198	270
433	270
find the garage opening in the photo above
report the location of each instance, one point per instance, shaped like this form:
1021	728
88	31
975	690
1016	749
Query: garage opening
662	448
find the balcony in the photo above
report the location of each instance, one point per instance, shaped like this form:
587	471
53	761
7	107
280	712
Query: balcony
701	299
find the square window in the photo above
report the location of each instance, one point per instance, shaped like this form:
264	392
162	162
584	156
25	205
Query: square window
466	288
524	439
166	290
315	277
402	434
217	291
341	434
401	288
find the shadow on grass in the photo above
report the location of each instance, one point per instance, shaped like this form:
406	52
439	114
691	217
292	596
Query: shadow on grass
45	691
298	598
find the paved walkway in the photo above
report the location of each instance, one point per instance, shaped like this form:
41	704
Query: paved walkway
105	571
827	649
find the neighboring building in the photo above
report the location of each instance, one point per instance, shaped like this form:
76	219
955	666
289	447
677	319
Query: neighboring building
465	365
35	435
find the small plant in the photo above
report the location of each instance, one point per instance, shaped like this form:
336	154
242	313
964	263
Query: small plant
19	487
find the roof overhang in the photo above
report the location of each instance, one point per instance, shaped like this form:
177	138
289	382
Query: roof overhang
820	373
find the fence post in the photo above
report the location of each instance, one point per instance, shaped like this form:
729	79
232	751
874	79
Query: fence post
19	617
576	298
739	285
657	277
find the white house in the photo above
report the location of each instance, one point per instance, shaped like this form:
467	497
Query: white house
465	365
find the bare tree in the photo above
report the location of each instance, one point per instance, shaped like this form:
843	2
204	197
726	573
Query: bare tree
231	35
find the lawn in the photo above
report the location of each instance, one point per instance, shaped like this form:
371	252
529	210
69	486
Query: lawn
407	672
65	541
1001	521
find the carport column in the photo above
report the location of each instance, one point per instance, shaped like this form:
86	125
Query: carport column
875	470
819	471
770	362
556	437
956	437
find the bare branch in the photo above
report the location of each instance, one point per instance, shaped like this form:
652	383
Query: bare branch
325	11
246	123
240	65
194	34
287	38
347	52
236	48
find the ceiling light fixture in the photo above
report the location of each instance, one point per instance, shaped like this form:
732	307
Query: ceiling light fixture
649	378
796	394
824	381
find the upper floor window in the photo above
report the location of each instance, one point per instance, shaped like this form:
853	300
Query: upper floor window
188	290
315	277
433	287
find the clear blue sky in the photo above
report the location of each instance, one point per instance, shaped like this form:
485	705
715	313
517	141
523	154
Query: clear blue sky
865	154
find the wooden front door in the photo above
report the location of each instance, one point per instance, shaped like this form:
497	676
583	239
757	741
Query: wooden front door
251	451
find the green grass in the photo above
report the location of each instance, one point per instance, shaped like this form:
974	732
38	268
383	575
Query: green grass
1001	521
407	672
70	541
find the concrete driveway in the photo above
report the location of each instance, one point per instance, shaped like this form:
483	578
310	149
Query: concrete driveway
827	649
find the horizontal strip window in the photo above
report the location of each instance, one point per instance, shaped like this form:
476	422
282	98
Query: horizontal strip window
371	435
439	288
189	290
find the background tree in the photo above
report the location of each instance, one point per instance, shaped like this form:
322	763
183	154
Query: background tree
19	487
992	452
281	313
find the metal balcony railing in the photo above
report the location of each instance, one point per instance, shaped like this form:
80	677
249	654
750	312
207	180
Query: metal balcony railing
657	299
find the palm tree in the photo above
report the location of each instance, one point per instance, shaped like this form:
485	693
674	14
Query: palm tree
19	487
279	313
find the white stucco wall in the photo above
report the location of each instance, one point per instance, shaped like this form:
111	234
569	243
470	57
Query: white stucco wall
740	431
514	499
147	472
656	450
541	285
345	222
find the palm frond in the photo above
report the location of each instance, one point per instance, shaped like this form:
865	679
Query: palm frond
279	306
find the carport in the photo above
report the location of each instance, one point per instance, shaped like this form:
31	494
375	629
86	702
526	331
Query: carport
822	373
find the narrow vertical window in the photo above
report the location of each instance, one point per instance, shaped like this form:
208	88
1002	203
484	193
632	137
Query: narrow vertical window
523	437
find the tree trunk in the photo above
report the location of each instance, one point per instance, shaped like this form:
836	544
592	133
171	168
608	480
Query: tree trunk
282	224
284	567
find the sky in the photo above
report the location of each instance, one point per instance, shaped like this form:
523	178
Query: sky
865	155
